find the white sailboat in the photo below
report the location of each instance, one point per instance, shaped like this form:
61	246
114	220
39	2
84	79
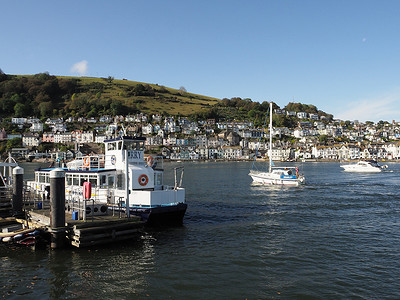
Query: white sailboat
276	175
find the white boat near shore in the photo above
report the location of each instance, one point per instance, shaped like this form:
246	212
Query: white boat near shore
364	166
119	179
276	175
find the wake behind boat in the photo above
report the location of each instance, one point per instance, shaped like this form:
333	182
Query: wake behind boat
276	175
364	166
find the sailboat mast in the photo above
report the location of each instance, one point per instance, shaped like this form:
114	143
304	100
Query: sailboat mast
270	137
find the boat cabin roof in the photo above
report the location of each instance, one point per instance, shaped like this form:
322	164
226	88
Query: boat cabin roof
126	138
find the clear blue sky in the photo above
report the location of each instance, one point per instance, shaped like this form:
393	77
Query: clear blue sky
341	56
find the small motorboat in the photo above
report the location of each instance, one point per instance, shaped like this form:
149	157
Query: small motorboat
364	166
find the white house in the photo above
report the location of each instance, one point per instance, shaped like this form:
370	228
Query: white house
201	141
62	138
232	152
36	127
147	129
30	140
18	121
302	115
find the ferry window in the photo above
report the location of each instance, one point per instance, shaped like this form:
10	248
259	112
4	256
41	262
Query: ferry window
119	145
111	181
75	180
134	145
111	146
103	180
47	176
83	179
120	181
69	179
93	180
157	178
42	177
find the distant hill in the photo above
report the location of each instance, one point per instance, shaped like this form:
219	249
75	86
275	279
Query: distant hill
45	95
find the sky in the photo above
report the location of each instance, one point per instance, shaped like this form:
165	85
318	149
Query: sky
343	56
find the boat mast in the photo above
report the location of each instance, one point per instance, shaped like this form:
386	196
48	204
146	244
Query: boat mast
270	137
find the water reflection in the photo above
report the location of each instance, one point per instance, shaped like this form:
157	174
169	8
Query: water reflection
119	270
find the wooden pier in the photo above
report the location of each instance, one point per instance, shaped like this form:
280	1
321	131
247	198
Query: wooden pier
96	230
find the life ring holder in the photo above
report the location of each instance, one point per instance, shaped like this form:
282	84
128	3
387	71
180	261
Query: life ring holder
86	161
150	161
143	179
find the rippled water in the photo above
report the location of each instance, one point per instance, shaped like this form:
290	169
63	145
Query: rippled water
337	237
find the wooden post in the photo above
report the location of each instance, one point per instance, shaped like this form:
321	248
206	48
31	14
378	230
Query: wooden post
57	208
18	185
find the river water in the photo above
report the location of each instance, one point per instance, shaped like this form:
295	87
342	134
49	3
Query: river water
337	237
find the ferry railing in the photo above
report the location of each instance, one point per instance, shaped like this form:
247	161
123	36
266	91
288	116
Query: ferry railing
88	162
155	161
116	206
33	198
178	176
75	202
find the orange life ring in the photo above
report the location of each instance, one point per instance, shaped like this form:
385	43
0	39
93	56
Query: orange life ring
86	161
143	179
150	161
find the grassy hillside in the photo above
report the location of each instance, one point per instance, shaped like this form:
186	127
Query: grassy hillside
163	100
136	96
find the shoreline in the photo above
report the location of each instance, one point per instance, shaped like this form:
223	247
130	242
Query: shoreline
46	160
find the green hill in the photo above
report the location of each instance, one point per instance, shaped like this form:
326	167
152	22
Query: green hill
45	95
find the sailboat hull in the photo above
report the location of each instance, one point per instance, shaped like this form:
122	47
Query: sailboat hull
267	178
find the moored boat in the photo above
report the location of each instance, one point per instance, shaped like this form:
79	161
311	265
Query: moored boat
120	179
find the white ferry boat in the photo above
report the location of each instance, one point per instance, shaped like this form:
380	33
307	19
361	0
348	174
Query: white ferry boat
121	178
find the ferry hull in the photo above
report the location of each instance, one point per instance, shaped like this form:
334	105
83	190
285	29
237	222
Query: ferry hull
163	215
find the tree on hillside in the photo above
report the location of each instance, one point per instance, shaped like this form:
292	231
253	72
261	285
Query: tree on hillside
117	108
299	107
20	110
323	139
45	108
13	143
3	75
